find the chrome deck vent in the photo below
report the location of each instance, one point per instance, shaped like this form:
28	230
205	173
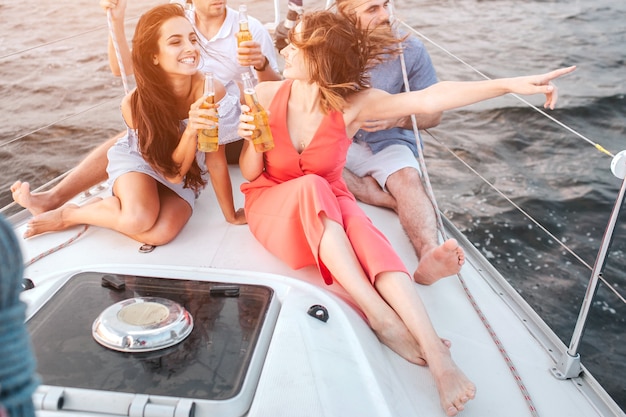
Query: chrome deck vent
142	324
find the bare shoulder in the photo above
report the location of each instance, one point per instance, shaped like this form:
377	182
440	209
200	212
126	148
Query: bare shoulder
127	111
266	91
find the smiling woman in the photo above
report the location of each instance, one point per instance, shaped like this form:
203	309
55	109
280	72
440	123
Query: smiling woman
155	168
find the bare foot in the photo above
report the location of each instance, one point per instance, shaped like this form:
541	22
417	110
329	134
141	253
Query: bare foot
35	203
367	190
442	261
50	221
396	336
455	389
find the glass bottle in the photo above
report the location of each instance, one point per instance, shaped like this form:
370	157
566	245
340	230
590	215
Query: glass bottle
208	138
262	138
244	33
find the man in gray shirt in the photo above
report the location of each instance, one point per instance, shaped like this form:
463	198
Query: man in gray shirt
382	168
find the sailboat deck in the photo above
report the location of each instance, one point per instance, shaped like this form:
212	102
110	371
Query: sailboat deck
338	367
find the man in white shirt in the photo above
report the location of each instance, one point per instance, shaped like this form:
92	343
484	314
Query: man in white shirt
217	25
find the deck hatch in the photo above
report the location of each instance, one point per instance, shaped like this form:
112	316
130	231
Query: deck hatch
212	363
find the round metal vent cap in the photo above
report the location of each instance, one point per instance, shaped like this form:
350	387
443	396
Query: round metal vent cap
142	324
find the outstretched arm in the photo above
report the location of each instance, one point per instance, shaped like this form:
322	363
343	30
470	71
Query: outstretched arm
449	95
117	9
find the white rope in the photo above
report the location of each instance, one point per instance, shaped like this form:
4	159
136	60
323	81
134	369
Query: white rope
56	248
118	55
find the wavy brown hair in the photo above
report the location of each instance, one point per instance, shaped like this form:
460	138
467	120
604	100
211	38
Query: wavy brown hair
339	54
154	106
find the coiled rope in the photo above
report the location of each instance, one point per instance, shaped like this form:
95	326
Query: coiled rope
17	363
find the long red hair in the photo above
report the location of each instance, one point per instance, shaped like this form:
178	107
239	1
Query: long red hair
339	54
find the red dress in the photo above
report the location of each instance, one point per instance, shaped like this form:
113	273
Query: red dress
283	205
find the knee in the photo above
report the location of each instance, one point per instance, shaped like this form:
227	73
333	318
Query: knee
313	184
164	232
138	220
313	180
404	179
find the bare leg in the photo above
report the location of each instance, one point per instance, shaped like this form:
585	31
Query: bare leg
399	318
150	213
89	172
417	217
367	190
455	389
339	257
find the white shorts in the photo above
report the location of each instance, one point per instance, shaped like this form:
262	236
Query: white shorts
361	161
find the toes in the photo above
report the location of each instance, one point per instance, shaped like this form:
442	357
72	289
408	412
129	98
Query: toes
452	411
15	186
29	232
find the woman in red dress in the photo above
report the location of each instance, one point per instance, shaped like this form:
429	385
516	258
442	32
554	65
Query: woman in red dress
298	206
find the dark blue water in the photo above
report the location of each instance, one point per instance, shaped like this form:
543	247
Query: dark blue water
557	178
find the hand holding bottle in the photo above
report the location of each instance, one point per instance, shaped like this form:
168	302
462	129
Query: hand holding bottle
249	53
260	133
208	137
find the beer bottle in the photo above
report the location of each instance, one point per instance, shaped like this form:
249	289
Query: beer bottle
208	138
244	33
261	136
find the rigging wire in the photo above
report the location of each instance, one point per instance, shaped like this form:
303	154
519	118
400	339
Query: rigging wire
426	182
523	212
126	90
563	125
76	35
527	215
22	136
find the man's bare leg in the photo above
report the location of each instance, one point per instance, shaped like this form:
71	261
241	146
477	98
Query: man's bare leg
418	219
89	172
367	190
